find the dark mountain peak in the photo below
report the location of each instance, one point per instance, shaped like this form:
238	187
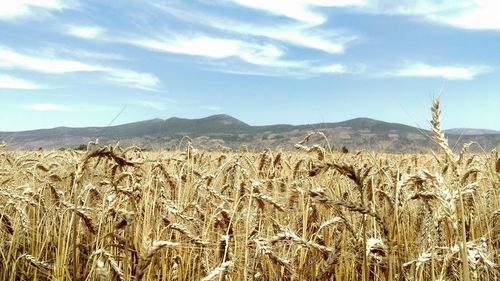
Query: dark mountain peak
363	120
150	121
174	119
368	123
224	119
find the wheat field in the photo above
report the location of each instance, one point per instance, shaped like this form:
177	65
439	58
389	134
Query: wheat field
110	213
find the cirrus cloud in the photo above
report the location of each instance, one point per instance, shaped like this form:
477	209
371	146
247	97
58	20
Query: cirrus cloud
14	9
11	59
300	35
45	107
467	14
11	82
254	58
86	32
448	72
299	10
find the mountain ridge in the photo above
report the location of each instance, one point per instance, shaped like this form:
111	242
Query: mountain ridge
470	131
224	130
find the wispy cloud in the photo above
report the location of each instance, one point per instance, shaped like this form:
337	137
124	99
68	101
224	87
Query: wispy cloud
45	107
232	46
254	58
85	54
445	72
13	9
71	107
10	82
13	59
140	80
212	47
332	68
54	65
479	15
295	34
299	10
215	48
86	32
470	14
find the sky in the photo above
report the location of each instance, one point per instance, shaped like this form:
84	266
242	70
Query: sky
83	63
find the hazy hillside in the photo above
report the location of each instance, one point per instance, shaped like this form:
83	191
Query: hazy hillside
470	131
214	131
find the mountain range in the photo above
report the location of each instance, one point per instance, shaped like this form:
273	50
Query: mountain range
225	131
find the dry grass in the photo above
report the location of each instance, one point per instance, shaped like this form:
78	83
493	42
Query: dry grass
312	214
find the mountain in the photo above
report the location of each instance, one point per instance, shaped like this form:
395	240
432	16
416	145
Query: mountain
174	126
470	131
223	130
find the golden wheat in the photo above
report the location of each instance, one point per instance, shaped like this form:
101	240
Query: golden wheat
311	214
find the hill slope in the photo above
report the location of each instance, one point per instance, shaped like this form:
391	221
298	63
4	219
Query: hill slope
216	130
470	131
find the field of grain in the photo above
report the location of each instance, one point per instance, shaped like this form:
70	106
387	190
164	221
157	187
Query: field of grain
312	214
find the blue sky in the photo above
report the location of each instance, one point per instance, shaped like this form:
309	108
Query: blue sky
79	63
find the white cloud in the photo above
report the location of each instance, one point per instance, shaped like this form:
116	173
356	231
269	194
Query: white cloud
255	59
446	72
481	15
246	48
290	9
10	82
330	43
140	80
267	55
469	14
45	107
12	9
13	59
74	107
300	10
217	48
84	54
332	68
86	32
54	65
195	46
294	34
210	47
